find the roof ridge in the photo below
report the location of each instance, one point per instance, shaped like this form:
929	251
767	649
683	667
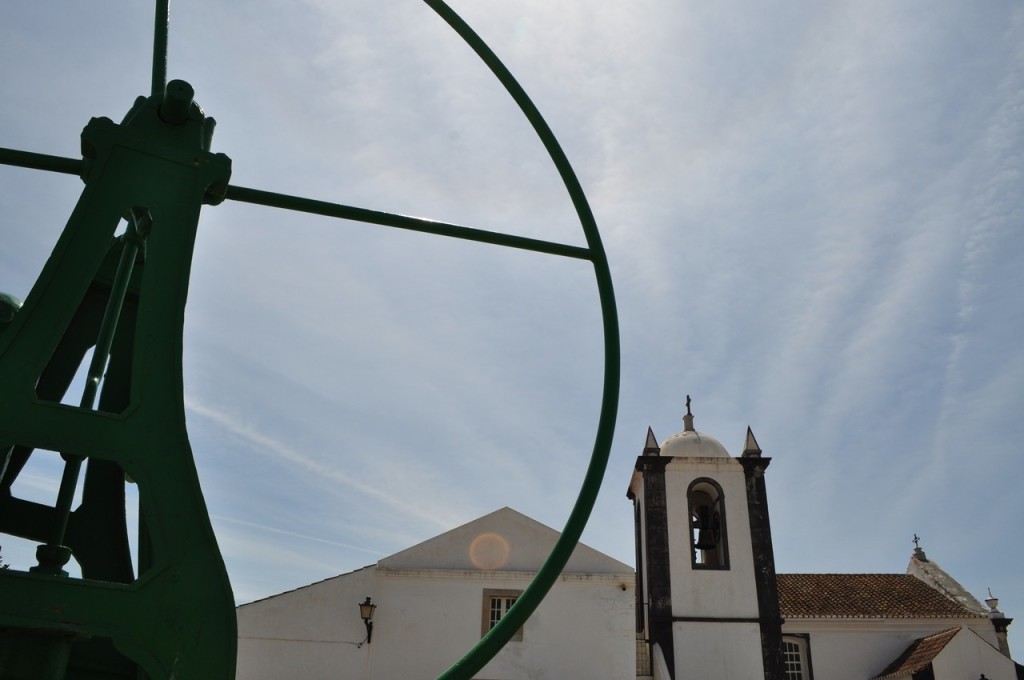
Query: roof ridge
303	587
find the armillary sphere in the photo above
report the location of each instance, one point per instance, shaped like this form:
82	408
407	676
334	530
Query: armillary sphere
122	295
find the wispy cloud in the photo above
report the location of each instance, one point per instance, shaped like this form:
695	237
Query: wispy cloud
268	445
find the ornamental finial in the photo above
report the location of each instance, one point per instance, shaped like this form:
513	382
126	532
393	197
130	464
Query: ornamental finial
688	418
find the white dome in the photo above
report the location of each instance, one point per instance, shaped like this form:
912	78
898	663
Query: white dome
693	444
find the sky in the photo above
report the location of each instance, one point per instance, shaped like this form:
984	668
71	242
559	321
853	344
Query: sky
812	213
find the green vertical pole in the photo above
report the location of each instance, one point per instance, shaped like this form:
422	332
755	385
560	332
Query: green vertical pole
161	27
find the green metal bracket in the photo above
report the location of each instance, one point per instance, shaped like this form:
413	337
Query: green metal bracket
172	615
176	616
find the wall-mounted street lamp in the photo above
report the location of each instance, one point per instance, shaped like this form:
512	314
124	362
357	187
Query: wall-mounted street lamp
366	614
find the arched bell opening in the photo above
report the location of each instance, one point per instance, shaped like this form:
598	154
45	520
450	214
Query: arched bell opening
709	547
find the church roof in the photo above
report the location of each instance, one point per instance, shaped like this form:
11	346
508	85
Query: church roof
693	444
865	596
932	574
919	655
689	443
504	540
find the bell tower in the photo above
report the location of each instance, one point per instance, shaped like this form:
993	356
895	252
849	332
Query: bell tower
707	601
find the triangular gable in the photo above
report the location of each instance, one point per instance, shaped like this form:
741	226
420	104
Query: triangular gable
919	655
504	540
969	652
945	655
935	576
348	575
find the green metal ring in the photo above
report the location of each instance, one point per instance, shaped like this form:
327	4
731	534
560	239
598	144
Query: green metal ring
495	639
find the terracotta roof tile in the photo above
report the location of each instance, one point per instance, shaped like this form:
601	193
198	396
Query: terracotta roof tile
918	655
891	596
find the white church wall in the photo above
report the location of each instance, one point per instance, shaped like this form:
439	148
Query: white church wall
968	656
583	628
718	650
720	593
425	624
307	633
427	619
858	649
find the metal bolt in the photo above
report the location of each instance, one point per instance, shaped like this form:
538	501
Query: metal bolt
177	102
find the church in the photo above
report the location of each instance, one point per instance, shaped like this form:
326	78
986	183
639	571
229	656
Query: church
710	605
703	601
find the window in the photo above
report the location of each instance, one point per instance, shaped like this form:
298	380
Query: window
496	604
499	607
796	658
708	545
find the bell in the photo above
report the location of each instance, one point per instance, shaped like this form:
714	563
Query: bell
705	539
705	525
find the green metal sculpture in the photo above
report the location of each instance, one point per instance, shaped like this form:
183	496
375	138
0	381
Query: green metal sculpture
122	294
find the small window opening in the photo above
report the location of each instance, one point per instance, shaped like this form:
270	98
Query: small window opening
495	605
795	656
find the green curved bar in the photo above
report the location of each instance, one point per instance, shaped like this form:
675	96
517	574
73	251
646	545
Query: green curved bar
493	641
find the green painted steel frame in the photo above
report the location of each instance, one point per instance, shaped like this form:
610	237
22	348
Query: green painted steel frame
176	617
98	615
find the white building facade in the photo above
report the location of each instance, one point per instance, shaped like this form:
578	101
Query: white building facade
435	600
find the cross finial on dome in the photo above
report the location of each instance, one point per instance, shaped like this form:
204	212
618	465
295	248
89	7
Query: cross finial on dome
688	418
918	550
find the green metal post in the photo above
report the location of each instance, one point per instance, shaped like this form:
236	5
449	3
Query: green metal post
161	27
